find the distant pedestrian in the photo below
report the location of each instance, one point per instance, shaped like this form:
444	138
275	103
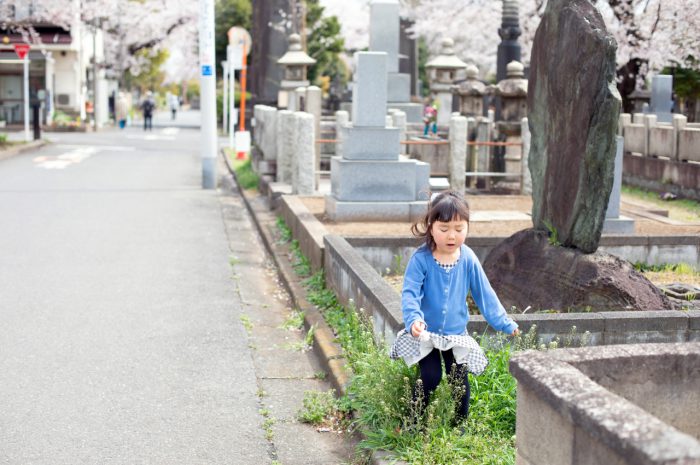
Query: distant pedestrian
430	112
439	276
148	106
121	110
174	104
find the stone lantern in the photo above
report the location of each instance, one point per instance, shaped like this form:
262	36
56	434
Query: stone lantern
471	93
295	63
513	93
443	70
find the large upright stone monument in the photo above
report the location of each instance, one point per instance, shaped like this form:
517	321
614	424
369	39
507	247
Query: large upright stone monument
573	122
384	36
573	108
369	180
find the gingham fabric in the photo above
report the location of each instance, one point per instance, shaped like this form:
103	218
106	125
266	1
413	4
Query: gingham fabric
465	349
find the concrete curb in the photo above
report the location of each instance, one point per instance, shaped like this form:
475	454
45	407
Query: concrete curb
4	154
325	347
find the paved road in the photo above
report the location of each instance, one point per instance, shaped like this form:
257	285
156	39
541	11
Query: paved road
120	340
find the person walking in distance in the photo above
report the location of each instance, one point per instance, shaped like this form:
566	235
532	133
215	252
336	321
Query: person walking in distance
121	110
148	106
439	276
174	104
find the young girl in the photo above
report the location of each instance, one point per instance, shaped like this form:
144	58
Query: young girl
438	278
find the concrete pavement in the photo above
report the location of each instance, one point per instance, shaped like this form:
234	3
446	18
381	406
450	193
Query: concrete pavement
141	317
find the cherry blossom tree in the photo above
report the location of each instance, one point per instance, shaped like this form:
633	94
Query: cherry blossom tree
651	33
129	26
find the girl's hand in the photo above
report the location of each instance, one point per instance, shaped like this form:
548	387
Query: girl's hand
516	332
417	327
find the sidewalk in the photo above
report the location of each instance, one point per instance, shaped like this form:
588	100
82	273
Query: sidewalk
285	368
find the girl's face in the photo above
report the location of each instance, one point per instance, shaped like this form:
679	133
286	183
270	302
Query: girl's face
449	236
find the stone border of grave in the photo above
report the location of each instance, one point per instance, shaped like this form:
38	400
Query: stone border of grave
607	405
352	265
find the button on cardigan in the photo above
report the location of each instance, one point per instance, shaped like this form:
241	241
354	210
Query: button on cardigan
439	297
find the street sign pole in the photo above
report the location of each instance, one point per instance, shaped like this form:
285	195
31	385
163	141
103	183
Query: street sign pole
232	94
224	106
208	93
22	51
27	138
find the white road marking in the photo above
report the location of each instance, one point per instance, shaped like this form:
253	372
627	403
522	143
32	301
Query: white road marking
150	137
64	160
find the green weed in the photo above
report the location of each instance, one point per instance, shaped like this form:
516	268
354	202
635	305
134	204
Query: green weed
300	264
552	233
306	343
247	323
295	320
678	268
285	232
245	175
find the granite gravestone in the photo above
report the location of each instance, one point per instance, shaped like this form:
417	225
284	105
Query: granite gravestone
661	98
369	181
384	36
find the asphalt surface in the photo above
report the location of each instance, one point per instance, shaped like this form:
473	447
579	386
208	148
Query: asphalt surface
121	339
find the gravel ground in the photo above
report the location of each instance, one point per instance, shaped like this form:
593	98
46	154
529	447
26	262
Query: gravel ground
481	203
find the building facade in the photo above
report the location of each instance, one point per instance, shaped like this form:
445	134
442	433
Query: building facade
60	68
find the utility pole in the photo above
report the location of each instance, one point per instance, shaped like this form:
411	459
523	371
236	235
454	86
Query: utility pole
94	76
208	93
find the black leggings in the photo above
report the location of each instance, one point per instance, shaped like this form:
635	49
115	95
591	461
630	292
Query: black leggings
431	374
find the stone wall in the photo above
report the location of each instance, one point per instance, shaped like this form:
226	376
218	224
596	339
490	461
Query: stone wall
352	277
662	175
381	252
645	136
617	405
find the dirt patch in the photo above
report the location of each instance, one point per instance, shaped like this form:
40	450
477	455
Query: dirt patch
500	228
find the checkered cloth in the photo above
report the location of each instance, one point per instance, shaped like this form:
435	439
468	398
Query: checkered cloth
465	349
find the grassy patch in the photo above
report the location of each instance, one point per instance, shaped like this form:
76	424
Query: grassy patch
679	209
246	177
325	410
380	394
670	273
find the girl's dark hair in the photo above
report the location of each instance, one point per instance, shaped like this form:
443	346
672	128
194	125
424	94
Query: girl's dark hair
445	206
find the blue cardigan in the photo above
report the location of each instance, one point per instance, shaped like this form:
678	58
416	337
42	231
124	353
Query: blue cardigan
439	298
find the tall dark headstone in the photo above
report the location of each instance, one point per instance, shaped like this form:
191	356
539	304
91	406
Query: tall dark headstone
509	48
269	33
573	109
408	55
